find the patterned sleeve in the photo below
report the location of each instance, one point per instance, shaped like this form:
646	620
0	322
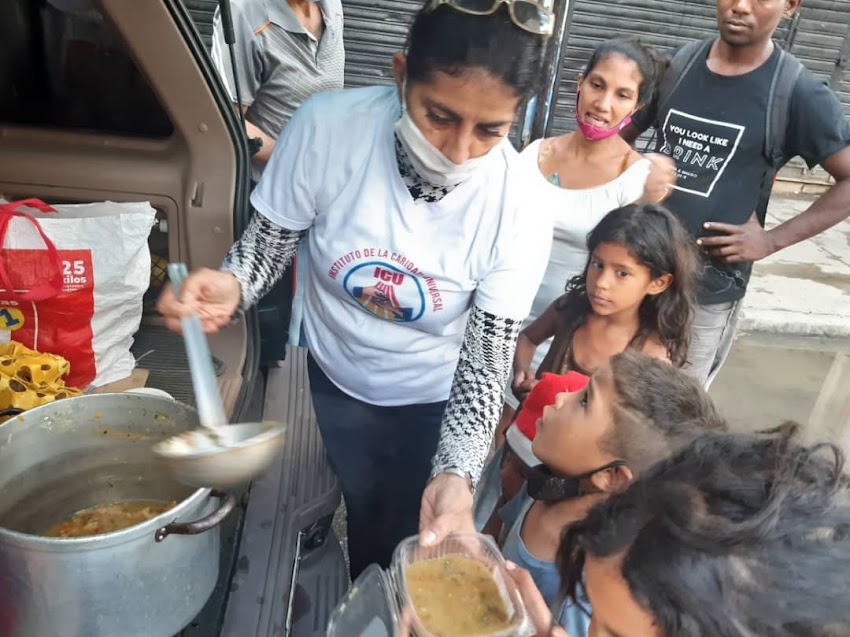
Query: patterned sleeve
260	257
478	390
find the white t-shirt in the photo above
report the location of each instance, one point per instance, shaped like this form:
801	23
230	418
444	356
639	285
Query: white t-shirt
391	281
576	212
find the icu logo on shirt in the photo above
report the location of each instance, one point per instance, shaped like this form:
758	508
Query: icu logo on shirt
387	284
386	291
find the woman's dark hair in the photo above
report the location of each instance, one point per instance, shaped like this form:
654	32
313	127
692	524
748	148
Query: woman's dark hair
657	410
449	41
654	237
733	535
649	63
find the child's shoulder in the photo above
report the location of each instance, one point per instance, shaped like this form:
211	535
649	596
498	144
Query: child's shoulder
653	347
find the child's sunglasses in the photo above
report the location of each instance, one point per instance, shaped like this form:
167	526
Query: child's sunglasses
529	15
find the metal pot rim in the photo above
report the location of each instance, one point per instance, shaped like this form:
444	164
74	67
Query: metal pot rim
136	397
103	540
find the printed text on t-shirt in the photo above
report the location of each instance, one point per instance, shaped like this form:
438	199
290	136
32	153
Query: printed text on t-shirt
701	148
387	284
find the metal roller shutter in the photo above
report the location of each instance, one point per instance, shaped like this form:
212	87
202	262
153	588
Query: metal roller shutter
202	12
841	74
374	30
664	24
822	43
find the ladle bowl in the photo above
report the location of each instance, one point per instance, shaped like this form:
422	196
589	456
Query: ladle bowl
216	454
242	451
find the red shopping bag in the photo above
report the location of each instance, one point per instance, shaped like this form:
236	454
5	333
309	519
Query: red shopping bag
47	296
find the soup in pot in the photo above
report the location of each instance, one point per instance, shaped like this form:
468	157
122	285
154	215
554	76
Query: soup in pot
456	596
107	518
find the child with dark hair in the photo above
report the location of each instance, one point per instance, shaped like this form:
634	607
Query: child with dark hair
734	535
583	175
635	411
636	293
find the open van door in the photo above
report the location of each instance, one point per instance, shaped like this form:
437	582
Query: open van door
118	100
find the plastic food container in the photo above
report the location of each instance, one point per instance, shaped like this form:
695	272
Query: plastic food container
378	604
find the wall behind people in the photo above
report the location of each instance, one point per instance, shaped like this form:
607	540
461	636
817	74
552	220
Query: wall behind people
374	30
373	33
817	39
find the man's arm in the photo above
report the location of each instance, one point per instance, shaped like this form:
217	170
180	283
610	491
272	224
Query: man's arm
265	152
830	208
750	242
249	65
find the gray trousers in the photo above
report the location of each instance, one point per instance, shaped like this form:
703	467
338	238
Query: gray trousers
712	335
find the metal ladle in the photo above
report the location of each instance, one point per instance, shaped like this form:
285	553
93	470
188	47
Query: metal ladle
217	454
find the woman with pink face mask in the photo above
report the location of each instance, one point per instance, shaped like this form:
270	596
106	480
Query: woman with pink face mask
583	175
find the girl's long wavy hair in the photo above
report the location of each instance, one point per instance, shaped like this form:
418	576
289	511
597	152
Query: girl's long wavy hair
656	239
735	534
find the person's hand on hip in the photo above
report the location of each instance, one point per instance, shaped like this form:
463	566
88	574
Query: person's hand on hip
738	243
446	508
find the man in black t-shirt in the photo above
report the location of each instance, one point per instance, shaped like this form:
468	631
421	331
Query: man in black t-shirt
714	129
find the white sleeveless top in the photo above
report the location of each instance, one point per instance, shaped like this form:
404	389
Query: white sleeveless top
576	213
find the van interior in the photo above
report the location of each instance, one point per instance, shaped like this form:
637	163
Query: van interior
118	100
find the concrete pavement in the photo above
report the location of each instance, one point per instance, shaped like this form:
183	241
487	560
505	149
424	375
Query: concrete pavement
772	378
803	290
791	357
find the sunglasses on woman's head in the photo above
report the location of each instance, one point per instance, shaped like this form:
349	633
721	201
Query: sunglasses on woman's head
526	14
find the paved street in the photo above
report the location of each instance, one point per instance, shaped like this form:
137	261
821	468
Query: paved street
792	357
804	289
770	378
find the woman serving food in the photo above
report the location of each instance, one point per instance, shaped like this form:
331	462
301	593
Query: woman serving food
422	266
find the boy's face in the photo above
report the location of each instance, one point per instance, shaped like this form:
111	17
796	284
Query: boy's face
748	22
569	433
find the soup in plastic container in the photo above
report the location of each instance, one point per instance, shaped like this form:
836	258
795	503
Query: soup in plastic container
459	588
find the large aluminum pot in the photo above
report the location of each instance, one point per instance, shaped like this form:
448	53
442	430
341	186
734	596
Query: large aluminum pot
149	580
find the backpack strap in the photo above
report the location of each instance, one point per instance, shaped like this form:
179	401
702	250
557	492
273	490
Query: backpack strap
788	69
681	63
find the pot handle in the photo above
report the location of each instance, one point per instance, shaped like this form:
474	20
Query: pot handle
204	524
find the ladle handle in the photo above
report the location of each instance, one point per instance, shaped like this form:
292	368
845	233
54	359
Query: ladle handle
207	398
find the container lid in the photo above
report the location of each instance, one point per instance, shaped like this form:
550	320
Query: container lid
368	609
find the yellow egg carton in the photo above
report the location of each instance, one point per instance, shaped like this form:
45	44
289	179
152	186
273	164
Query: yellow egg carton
29	378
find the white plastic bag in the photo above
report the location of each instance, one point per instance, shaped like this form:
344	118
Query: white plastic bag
72	278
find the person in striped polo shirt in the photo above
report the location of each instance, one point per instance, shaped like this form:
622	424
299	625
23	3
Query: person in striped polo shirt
286	50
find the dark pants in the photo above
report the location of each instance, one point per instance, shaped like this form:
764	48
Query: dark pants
382	458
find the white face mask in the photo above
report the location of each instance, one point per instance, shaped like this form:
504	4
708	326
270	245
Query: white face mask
427	160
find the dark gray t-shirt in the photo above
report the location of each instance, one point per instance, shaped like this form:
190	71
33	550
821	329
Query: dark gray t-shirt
714	128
